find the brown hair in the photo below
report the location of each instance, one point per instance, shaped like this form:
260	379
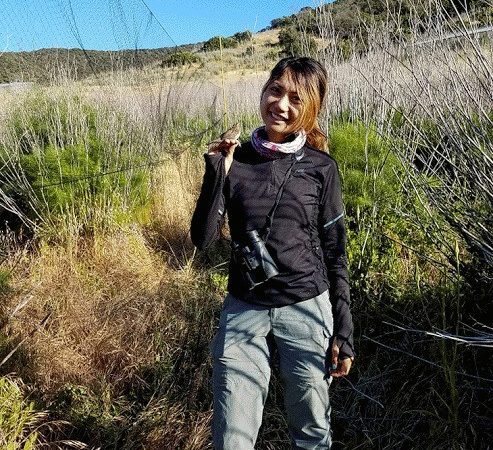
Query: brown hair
310	79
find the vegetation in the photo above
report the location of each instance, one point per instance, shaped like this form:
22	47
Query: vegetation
351	17
350	20
40	65
180	58
60	166
216	42
294	43
243	36
107	311
4	281
22	426
17	417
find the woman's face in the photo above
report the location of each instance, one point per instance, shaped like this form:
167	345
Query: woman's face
280	106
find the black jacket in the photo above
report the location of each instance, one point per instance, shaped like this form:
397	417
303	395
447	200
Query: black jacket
307	239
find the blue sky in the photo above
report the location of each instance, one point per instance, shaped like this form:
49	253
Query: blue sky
117	24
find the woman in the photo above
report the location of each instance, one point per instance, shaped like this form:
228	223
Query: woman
288	280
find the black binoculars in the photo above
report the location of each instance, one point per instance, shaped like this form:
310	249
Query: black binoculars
257	266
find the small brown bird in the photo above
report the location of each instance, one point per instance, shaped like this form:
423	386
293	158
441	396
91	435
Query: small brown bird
232	133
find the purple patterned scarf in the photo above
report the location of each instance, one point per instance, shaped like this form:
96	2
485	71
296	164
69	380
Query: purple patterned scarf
273	150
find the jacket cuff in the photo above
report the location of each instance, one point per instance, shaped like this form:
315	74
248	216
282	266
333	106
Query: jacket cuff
346	349
213	162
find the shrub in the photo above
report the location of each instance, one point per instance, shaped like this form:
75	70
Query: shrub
216	42
367	165
180	58
72	165
283	22
295	43
372	194
242	36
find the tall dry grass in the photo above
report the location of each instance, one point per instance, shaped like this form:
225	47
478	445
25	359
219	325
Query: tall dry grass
123	355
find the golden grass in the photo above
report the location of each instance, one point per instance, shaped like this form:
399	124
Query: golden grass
267	37
8	100
98	296
109	294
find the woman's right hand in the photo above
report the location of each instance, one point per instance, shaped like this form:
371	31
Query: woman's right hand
227	148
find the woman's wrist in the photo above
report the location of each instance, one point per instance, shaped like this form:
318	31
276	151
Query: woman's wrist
228	160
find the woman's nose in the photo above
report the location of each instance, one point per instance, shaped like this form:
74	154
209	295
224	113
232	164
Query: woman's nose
283	103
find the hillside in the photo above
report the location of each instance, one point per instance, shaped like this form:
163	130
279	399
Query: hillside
346	16
41	65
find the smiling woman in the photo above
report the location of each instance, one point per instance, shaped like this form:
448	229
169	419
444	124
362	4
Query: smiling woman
288	282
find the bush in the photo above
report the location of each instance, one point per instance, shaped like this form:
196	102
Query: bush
180	58
216	42
243	36
367	166
372	194
71	166
283	22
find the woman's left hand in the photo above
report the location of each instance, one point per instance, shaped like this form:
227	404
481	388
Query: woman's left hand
340	367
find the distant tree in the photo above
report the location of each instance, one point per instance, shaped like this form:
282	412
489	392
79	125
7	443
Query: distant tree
295	43
282	22
242	36
215	43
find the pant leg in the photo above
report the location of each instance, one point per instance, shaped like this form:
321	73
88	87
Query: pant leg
302	333
241	374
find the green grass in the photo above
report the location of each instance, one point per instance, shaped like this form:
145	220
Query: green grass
18	417
4	280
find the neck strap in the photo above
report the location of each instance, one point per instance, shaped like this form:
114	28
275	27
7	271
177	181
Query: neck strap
270	217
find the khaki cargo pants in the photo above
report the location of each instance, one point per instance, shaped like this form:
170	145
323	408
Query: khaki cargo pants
241	371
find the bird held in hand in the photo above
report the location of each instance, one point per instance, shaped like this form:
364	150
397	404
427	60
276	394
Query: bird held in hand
232	133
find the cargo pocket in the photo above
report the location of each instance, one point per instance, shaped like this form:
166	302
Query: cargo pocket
295	328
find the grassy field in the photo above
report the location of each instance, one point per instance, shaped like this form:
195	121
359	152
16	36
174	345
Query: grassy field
107	310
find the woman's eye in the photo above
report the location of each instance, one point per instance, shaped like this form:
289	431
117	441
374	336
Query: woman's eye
295	99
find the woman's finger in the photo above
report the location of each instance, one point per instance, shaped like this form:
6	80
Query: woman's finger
335	356
343	368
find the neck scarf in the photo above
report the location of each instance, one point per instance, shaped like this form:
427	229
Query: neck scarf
273	150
